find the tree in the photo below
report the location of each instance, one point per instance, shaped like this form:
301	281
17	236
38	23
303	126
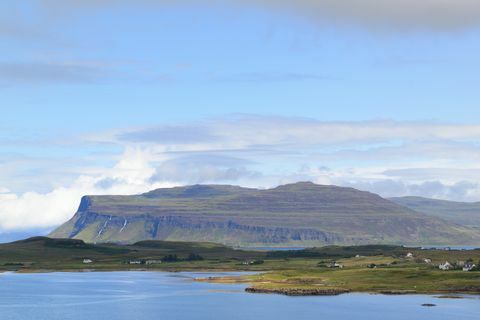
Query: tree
170	258
194	257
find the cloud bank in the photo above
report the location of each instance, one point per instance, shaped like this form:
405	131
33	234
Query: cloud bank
391	158
395	14
443	15
377	15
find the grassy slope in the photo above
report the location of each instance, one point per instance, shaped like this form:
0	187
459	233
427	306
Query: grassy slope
462	213
68	254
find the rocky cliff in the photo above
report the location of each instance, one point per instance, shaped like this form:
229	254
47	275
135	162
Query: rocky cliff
301	214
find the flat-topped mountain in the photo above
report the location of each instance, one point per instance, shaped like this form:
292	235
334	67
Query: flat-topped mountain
300	214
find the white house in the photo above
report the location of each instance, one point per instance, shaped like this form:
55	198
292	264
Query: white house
335	265
468	266
87	261
445	266
409	255
427	260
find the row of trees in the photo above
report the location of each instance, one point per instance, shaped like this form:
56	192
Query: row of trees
175	258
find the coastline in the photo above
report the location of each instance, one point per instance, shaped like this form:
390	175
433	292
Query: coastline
332	270
252	289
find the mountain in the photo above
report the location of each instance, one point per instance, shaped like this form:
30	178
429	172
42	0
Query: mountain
300	214
462	213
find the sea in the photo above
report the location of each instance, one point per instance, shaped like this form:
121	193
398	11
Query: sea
159	295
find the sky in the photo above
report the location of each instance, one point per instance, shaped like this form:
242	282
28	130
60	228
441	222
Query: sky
121	97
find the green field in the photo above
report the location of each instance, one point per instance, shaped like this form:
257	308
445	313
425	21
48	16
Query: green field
374	268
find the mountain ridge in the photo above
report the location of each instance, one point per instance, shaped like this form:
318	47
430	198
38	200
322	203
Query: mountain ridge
463	213
296	214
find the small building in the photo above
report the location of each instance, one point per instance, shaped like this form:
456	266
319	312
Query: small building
335	265
87	261
358	256
428	261
445	266
409	255
134	262
148	262
468	266
252	262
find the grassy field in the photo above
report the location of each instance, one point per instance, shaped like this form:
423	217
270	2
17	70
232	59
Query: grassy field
377	269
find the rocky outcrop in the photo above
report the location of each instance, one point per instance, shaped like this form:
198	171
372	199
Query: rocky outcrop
299	291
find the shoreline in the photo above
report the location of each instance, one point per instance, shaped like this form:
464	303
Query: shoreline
252	289
336	292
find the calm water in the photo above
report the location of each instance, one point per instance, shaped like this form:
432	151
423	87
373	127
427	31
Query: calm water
156	295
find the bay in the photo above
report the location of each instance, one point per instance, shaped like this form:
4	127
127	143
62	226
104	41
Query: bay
159	295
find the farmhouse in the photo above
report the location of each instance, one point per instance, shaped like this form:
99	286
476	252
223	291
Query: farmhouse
468	266
335	265
445	266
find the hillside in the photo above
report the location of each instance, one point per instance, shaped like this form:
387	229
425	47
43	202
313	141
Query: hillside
462	213
301	214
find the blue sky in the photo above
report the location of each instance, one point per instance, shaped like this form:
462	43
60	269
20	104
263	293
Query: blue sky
124	96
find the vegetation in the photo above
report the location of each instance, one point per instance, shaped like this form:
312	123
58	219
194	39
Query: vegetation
462	213
380	269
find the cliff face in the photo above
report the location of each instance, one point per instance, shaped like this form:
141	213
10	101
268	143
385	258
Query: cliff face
292	215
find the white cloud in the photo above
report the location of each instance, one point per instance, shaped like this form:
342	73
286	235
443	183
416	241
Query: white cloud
387	157
4	190
244	131
37	210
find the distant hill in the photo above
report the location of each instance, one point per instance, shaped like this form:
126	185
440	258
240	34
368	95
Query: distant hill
300	214
462	213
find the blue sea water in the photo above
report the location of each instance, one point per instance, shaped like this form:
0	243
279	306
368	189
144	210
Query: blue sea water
158	295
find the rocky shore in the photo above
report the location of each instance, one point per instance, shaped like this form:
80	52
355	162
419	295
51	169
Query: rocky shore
299	291
397	292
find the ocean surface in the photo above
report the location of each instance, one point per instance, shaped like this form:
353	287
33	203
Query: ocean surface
158	295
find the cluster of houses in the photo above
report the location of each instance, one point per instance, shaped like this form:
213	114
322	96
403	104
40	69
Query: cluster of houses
410	255
147	262
252	262
133	262
465	266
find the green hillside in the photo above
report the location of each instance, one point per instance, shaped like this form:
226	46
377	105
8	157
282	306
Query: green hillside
301	214
462	213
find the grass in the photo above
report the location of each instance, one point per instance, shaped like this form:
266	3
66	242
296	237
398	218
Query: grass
411	279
